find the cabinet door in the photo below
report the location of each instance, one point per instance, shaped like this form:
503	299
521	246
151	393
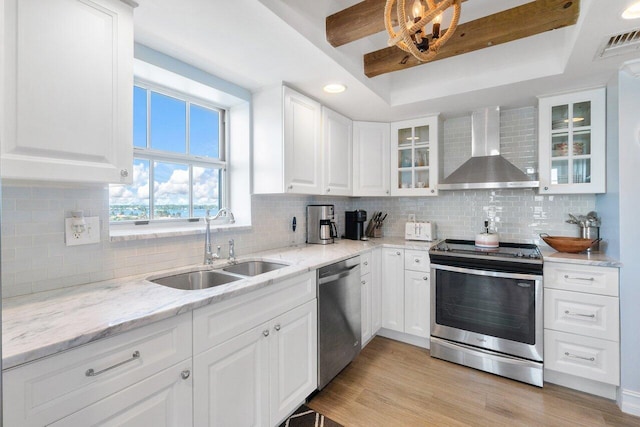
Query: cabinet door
231	381
68	105
393	289
293	355
417	303
414	157
371	159
302	144
164	399
572	143
337	136
376	290
365	305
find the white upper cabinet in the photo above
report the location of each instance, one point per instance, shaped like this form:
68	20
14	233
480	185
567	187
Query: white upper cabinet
337	134
371	159
287	143
68	90
414	157
572	142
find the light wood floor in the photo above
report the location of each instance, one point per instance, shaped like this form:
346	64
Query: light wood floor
396	384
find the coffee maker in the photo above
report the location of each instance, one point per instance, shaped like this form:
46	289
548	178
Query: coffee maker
354	224
321	227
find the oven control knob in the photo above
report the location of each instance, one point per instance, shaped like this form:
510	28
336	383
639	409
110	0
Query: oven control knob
520	255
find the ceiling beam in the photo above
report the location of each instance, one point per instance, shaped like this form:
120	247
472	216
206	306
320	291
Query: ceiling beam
360	20
512	24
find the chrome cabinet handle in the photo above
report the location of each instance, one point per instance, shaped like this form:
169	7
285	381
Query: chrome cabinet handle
589	279
185	374
124	173
366	263
568	313
277	327
417	260
575	356
265	332
425	278
364	282
92	373
398	253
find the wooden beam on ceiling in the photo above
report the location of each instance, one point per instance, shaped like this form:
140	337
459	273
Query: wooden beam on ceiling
512	24
360	20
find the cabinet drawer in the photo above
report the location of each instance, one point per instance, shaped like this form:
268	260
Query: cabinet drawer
214	324
585	357
581	278
586	314
365	263
46	390
416	260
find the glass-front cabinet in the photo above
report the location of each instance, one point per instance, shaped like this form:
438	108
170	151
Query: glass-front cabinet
414	157
572	142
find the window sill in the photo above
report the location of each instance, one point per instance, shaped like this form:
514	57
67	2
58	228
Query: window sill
120	233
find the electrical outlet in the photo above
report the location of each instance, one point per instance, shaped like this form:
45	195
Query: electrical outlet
412	218
90	233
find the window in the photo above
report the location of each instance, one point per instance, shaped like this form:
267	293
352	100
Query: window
179	158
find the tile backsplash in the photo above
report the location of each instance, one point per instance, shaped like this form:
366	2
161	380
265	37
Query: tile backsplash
35	258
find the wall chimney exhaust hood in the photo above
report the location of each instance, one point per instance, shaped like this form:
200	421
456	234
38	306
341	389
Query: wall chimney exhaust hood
486	168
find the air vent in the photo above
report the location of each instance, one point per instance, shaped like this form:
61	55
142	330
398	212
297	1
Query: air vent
620	44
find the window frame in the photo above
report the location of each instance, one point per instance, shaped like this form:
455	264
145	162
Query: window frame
151	155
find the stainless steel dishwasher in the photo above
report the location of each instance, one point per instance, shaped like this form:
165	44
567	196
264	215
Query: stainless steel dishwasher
338	317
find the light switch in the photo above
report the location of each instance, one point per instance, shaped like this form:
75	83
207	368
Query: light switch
82	235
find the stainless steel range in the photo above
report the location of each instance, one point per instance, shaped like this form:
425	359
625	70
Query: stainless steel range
486	308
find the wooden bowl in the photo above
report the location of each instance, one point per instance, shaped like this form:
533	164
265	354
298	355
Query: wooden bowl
571	245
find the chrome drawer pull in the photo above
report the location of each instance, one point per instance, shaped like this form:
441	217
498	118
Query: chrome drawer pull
568	313
575	356
91	373
589	279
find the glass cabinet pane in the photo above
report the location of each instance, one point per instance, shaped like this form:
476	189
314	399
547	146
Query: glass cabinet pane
582	171
405	179
404	158
405	137
422	178
422	134
560	172
559	117
421	157
582	114
559	142
582	143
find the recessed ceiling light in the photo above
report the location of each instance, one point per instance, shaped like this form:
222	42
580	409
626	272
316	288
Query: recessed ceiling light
632	12
334	88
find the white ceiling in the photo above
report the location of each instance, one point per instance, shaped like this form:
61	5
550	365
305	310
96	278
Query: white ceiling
258	43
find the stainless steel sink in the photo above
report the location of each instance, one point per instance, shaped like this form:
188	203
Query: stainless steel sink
253	268
201	279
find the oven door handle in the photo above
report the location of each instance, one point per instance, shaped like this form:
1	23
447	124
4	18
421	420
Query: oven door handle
485	272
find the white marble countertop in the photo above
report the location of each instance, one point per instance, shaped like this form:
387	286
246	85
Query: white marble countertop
45	323
595	258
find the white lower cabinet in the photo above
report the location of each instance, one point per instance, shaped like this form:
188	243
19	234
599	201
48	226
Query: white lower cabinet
161	400
582	327
393	289
261	359
126	379
406	294
370	271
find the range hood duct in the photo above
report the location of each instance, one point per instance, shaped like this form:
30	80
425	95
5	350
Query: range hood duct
486	168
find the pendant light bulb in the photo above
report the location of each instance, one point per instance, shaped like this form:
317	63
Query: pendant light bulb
416	10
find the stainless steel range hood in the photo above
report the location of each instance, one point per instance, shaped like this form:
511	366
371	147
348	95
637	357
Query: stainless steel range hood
486	168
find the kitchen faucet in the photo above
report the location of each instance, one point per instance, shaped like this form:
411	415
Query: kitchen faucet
232	251
209	256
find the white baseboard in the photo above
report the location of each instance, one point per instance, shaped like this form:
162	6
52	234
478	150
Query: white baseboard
405	338
629	402
582	384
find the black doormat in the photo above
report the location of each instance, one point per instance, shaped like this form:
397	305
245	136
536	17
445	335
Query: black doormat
307	417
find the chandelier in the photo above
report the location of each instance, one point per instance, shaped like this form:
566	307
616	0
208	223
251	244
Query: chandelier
412	36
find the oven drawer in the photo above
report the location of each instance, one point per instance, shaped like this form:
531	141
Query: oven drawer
586	314
416	260
581	278
585	357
